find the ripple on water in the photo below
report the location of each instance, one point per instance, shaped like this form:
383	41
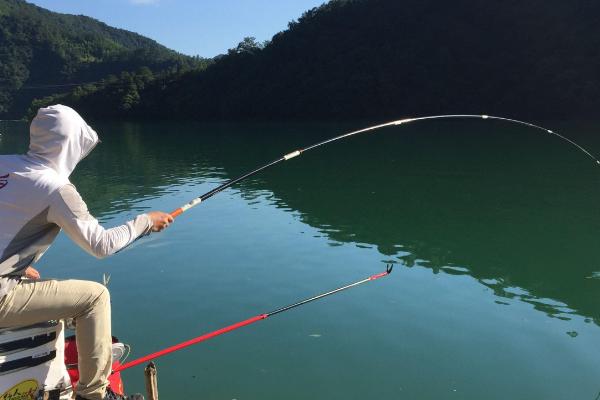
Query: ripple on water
594	275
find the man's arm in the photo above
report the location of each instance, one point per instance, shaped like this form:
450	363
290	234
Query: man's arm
69	211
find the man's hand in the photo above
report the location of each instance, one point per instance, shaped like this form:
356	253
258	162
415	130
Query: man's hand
160	220
32	273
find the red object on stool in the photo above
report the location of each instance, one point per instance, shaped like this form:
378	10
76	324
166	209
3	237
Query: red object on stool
114	381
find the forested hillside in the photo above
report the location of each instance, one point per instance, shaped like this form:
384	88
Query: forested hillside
389	58
43	52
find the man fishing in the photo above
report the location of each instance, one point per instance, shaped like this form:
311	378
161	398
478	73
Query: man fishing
37	200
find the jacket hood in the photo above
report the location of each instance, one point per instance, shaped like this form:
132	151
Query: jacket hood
60	138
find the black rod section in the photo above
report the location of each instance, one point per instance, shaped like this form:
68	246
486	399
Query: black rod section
320	296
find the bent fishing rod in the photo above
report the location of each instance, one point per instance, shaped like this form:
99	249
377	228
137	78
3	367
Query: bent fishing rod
405	121
246	322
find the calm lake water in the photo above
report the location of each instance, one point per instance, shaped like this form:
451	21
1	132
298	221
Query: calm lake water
494	230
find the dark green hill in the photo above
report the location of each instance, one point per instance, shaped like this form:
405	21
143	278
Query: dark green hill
41	51
390	58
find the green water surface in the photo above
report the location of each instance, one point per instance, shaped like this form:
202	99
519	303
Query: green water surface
494	230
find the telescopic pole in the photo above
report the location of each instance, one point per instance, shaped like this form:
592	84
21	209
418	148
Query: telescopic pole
243	323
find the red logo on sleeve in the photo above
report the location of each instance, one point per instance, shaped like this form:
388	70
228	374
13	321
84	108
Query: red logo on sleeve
4	180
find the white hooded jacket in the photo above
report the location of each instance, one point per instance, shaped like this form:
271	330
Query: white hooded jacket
37	199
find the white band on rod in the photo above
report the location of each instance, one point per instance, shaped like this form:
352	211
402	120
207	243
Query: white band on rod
191	204
292	155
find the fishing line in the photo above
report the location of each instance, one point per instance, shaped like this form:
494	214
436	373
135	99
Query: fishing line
405	121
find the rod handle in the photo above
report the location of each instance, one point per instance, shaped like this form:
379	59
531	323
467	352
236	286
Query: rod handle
177	212
186	207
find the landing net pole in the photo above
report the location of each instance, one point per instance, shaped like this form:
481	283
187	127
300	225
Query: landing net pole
246	322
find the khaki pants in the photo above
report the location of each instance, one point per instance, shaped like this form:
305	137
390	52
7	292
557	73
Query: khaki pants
89	303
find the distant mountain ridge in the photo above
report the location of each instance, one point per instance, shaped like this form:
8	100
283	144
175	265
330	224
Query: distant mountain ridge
40	50
381	59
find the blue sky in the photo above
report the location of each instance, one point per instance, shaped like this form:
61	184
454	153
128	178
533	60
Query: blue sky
194	27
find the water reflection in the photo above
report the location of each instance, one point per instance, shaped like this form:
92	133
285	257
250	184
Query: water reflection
514	210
